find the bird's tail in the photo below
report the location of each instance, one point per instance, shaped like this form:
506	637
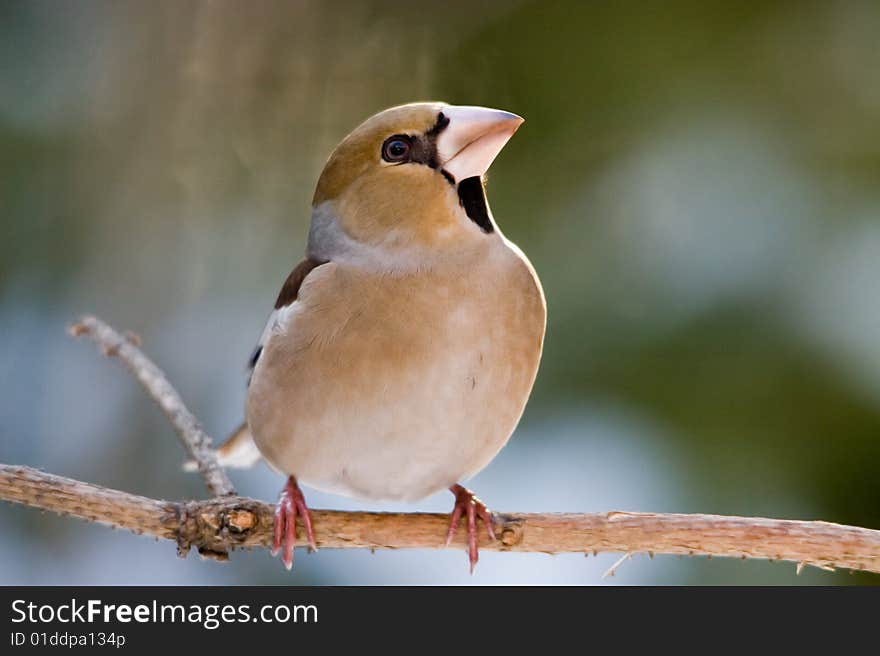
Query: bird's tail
237	452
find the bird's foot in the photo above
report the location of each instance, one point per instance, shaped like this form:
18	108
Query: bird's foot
471	507
291	503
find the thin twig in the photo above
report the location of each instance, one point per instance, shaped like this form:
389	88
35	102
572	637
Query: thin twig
196	442
611	571
218	525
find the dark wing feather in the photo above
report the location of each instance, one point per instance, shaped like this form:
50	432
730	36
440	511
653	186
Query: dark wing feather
288	294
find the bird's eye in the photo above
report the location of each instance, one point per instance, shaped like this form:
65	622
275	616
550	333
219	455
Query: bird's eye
396	148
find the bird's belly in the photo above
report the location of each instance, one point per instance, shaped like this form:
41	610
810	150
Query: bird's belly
400	435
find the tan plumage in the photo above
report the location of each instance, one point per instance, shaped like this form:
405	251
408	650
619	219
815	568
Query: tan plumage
406	359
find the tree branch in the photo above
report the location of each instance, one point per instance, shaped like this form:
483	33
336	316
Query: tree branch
227	522
218	525
196	442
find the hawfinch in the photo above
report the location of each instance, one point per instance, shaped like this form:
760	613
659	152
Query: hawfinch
402	350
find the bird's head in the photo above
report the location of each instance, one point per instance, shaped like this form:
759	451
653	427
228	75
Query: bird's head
409	180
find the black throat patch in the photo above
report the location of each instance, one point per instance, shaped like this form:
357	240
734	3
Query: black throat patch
472	197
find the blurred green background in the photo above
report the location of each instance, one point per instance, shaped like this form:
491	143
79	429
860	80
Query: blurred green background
697	184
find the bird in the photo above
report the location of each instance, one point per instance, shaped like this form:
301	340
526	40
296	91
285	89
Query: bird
401	352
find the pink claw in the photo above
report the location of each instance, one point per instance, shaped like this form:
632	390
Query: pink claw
468	504
291	503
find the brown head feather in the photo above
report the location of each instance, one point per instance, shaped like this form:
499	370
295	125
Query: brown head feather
361	150
395	205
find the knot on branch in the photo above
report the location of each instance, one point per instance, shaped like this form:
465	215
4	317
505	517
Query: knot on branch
215	527
509	529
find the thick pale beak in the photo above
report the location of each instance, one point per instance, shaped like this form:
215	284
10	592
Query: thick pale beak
473	139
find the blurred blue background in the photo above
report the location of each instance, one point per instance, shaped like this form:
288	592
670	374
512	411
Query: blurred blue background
697	184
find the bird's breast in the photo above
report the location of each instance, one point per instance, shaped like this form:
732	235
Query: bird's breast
383	386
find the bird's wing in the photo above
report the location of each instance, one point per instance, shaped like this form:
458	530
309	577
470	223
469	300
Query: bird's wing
239	450
288	294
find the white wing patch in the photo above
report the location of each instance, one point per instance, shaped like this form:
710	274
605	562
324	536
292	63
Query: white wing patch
276	324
